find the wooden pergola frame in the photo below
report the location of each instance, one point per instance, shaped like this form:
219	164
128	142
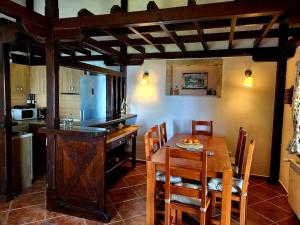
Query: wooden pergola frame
47	37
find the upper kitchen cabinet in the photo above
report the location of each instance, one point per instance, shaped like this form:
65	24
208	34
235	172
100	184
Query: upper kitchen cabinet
38	80
19	80
69	80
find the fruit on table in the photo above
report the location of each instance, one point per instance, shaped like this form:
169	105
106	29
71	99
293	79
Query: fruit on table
191	141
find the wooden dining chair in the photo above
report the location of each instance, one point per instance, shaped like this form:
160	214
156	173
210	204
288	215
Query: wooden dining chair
238	160
163	133
207	124
186	197
239	188
155	137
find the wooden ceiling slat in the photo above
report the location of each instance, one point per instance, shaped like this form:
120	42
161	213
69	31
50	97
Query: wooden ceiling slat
294	42
200	35
265	30
172	35
148	39
232	30
99	47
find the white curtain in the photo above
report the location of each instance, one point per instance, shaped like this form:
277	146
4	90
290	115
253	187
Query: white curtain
294	145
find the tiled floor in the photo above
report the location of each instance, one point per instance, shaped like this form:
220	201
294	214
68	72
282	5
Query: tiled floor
127	204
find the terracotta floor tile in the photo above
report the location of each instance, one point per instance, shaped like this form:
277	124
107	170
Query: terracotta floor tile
263	192
117	184
254	218
26	215
4	206
115	218
293	220
28	200
269	210
142	169
64	220
120	195
35	188
134	180
3	218
131	208
141	190
258	180
282	202
139	220
128	171
278	188
252	199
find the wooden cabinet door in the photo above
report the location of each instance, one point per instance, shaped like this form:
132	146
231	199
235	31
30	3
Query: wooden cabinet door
38	79
79	176
19	80
69	80
76	81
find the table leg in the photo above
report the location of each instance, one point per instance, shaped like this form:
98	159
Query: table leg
133	153
226	198
150	214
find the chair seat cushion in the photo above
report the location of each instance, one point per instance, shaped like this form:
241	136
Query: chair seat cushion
160	176
186	200
215	184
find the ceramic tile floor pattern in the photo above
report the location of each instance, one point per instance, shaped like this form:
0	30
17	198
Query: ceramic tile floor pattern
127	203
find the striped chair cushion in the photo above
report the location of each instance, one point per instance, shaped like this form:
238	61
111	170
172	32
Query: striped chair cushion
186	200
160	176
215	184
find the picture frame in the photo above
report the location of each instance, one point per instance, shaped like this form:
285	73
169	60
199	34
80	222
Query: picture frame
193	81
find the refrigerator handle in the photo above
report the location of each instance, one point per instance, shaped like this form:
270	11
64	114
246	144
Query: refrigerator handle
81	115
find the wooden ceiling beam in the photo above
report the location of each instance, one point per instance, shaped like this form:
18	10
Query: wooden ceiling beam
265	30
201	35
204	12
100	47
232	30
148	39
33	22
205	54
120	37
294	42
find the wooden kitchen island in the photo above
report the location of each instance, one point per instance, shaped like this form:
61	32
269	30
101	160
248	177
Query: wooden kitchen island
78	161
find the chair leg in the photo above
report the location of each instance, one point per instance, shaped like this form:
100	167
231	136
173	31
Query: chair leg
209	214
167	214
178	216
202	218
243	206
213	203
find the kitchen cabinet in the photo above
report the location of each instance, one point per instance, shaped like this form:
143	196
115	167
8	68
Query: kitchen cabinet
19	80
69	80
38	80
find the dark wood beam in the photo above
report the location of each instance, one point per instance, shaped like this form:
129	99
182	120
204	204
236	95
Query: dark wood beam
232	30
173	36
191	2
88	67
294	42
252	34
265	30
205	12
148	39
52	71
30	4
100	47
200	35
6	192
278	108
261	20
120	37
76	48
32	21
204	54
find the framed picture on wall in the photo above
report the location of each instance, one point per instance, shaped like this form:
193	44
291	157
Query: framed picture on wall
194	80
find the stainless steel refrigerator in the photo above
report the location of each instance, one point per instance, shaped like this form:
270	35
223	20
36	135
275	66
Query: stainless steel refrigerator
92	97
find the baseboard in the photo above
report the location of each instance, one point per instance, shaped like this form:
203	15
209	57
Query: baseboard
258	176
283	186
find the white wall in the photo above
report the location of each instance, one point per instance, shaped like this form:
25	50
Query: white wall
287	130
238	106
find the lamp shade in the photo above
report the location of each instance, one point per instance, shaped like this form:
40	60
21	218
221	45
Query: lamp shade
144	80
248	81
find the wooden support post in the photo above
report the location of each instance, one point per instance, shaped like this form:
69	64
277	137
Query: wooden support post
123	69
5	126
278	107
52	70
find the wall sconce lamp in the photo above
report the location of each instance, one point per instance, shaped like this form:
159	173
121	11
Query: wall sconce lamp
248	79
145	78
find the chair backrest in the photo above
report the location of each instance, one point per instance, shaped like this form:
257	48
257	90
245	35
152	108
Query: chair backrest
155	136
239	153
151	142
249	157
208	124
174	167
163	133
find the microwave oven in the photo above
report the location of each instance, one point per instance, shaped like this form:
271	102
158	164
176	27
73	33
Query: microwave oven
24	114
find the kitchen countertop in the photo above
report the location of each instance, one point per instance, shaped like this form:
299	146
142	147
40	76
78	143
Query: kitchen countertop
75	130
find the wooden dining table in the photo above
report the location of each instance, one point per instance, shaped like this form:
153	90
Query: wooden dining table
218	165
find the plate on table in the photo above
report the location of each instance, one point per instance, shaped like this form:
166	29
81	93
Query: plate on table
192	147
